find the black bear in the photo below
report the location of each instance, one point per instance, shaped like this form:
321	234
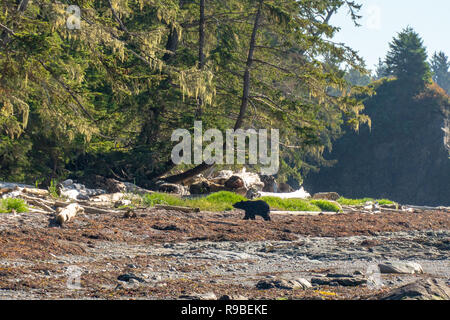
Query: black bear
254	208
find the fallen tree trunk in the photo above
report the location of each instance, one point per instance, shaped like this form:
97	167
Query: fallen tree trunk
46	202
93	210
180	178
38	203
426	208
87	209
41	203
36	192
34	210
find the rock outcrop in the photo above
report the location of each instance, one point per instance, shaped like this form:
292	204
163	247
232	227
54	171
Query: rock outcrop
428	289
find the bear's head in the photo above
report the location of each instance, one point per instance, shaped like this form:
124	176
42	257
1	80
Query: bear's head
240	205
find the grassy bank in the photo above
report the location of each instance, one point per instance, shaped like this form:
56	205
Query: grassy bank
359	202
222	201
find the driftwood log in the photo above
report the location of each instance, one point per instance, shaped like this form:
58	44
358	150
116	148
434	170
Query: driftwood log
36	192
43	204
68	213
426	208
87	209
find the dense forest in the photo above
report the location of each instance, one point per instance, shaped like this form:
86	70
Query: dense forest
405	154
97	87
100	89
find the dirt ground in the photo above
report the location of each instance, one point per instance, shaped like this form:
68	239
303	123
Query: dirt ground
173	254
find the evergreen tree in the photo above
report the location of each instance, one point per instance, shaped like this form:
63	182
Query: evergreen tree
381	70
356	78
407	59
105	98
440	66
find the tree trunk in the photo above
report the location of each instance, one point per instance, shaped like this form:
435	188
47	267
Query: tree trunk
172	41
179	178
246	90
201	31
201	54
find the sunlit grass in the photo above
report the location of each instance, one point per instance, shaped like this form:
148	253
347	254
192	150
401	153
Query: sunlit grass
326	206
359	202
224	200
290	204
10	204
220	201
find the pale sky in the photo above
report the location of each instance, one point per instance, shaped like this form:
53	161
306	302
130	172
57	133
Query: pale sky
383	19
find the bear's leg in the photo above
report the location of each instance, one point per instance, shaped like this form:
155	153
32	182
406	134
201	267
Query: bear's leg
247	216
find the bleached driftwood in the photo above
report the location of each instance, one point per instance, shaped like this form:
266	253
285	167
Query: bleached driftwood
426	208
177	208
34	210
36	192
43	204
68	213
87	209
94	210
392	210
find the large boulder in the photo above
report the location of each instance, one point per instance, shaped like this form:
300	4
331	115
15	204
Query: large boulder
426	289
162	186
76	191
340	280
237	185
401	267
222	176
283	284
235	182
284	188
269	183
251	180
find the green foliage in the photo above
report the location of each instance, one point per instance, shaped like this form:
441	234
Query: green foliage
219	201
53	190
224	200
9	204
359	202
407	59
326	206
440	66
105	98
162	198
402	153
381	70
225	196
290	204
